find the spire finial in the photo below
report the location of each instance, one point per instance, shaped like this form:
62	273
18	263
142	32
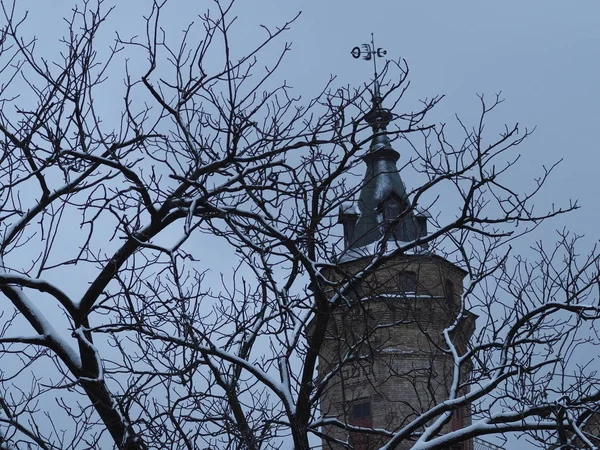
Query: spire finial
378	117
376	93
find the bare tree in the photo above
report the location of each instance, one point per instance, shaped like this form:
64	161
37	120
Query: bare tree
114	329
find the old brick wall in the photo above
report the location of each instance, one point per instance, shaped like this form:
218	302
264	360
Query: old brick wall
385	346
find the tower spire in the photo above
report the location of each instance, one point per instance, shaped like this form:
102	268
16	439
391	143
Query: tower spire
383	207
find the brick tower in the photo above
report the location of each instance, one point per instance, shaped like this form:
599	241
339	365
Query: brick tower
383	360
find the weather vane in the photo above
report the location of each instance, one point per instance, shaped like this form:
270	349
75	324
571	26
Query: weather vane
378	117
369	52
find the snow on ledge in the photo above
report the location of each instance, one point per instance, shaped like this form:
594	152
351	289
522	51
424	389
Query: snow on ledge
373	248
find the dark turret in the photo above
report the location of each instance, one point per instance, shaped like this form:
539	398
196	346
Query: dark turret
383	207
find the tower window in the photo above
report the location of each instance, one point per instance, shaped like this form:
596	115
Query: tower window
456	424
392	209
361	411
395	228
456	419
407	282
361	417
449	292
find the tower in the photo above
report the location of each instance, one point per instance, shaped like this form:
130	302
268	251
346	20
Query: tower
384	361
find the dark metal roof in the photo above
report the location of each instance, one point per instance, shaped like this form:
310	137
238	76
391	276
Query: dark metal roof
383	198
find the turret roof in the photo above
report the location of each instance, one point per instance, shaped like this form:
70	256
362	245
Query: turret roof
383	195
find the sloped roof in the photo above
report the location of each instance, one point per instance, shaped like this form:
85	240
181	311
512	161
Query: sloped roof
381	184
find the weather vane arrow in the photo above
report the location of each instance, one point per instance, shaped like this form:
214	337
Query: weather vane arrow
369	52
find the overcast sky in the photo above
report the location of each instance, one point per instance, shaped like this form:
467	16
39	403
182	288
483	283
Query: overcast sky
542	54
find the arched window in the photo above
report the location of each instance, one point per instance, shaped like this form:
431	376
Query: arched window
392	209
407	282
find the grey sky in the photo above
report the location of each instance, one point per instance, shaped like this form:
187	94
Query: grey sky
542	54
